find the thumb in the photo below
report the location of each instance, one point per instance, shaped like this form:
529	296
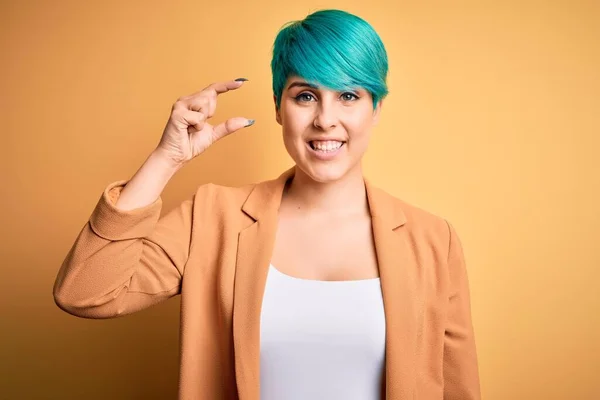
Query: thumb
231	125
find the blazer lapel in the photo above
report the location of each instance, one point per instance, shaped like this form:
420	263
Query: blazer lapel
255	248
397	270
398	273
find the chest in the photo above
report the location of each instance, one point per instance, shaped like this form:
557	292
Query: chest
331	334
327	249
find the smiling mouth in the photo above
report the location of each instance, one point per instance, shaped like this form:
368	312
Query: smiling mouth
325	149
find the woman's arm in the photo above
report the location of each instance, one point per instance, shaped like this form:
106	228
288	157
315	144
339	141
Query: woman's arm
126	259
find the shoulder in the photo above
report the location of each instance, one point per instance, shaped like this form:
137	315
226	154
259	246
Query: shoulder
422	224
223	195
222	201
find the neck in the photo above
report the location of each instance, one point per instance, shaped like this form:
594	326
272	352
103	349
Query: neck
344	196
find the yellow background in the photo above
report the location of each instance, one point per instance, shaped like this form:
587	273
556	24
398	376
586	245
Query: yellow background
492	122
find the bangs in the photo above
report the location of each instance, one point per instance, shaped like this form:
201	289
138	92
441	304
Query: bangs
332	49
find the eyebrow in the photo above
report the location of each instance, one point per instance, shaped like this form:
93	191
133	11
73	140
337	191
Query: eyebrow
302	84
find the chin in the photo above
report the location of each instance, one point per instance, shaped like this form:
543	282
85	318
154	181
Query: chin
324	172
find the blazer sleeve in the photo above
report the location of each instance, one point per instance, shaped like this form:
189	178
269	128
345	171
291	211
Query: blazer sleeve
124	261
461	375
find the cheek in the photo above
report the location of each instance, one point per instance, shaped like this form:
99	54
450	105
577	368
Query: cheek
360	122
295	122
291	128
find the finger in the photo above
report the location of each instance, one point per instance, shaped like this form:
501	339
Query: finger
222	87
204	104
195	120
200	104
218	87
230	126
212	106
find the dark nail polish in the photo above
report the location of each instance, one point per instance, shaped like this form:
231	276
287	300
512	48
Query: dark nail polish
241	79
250	122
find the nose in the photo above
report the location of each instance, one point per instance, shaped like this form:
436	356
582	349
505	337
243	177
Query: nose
326	117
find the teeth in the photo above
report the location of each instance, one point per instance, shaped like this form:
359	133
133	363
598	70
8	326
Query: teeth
326	146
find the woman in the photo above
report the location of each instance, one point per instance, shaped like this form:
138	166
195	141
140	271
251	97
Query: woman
314	285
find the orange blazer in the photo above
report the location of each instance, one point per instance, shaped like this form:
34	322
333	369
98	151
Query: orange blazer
215	248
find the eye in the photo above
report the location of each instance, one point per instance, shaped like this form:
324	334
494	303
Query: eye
349	96
304	97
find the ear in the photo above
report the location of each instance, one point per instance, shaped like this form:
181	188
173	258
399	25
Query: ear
277	113
377	112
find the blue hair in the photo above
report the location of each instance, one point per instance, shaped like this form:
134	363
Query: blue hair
331	48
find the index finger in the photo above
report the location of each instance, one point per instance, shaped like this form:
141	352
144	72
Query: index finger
222	87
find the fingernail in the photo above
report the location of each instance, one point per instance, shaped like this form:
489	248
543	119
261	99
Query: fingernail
250	122
241	79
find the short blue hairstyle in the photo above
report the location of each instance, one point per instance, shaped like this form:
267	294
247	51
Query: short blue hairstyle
333	49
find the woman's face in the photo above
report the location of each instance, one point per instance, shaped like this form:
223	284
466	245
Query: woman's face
326	132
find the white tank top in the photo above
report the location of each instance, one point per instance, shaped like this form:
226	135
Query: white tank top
321	339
